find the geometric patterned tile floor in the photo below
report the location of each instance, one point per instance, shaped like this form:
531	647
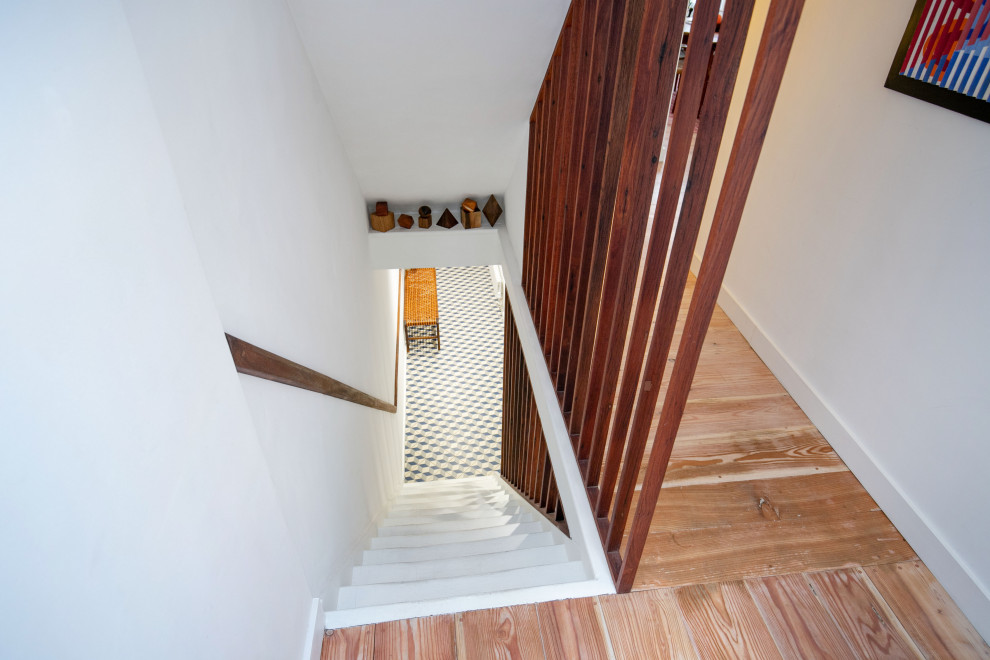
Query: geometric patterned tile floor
454	396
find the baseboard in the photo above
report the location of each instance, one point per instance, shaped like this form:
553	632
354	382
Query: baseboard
313	644
951	571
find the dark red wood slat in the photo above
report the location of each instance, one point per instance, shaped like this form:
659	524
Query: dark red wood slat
532	235
679	148
532	175
771	59
589	95
530	172
711	126
586	381
542	141
610	21
508	409
545	473
581	66
546	192
562	138
655	68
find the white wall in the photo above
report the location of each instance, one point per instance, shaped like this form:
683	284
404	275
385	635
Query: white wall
280	225
515	200
430	96
138	515
861	275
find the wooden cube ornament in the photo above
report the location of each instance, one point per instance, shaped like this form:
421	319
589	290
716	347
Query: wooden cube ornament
382	219
470	219
470	215
492	210
405	221
447	220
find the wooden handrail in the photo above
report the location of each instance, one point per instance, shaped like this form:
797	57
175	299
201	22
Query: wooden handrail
254	361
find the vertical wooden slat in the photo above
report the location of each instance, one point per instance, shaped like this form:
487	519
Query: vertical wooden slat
541	211
543	217
582	70
542	139
712	124
611	19
771	59
585	166
588	382
552	219
559	229
656	65
530	190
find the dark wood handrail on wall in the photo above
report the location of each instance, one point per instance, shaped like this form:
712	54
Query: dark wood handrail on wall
254	361
604	272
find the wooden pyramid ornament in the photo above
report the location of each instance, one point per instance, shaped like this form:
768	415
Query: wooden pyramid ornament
492	210
405	221
447	220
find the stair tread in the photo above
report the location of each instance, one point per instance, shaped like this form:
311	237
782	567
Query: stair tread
434	538
449	515
381	594
457	549
431	505
410	529
449	567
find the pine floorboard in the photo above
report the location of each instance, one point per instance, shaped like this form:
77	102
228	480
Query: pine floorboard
504	633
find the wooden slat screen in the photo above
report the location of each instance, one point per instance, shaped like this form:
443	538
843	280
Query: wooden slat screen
602	268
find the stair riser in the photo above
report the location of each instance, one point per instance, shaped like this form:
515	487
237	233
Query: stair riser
426	500
422	540
454	550
382	594
458	567
450	516
449	486
455	525
452	504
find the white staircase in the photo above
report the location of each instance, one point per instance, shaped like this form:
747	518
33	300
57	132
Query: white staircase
456	545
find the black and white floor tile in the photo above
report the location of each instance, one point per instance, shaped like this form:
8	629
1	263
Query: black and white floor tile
454	395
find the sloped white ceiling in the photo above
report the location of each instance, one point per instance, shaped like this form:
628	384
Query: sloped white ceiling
431	97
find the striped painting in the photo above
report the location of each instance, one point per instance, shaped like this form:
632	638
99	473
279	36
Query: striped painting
944	56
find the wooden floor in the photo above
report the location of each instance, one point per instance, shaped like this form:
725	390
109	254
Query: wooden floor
763	545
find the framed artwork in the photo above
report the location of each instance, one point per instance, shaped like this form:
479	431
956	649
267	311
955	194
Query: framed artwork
944	56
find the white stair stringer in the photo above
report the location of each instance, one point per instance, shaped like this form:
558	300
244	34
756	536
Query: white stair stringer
457	545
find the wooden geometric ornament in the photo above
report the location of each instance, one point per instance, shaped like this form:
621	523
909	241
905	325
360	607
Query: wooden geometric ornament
492	210
447	220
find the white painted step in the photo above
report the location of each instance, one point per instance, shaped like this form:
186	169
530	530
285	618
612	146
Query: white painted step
450	485
458	566
413	511
383	594
456	525
404	497
465	549
422	540
422	517
451	501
